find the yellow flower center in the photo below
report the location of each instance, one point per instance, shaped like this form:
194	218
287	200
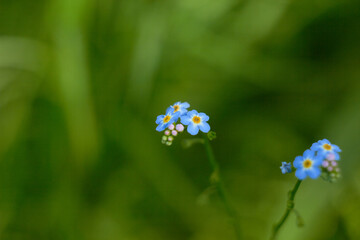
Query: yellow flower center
327	146
196	119
166	119
307	163
176	108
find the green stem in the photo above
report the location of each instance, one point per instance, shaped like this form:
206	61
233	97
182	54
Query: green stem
220	187
289	208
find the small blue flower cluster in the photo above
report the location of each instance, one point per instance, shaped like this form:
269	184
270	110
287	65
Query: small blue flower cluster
315	161
194	121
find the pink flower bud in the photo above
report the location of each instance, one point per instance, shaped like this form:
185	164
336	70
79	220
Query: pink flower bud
180	127
174	132
329	169
167	132
334	163
330	157
171	127
325	164
170	138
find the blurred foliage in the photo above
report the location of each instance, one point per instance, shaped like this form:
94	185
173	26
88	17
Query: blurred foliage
82	81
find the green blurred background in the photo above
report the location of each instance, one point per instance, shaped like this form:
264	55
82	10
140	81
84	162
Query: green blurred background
81	84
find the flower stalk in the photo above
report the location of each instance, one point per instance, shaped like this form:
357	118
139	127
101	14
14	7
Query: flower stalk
217	181
289	208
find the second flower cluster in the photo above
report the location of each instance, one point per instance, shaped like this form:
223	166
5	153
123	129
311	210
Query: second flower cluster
320	159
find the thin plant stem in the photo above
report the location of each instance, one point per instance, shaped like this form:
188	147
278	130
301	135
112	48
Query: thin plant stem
216	179
289	208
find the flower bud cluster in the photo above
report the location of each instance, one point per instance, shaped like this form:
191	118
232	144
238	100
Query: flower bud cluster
171	132
330	169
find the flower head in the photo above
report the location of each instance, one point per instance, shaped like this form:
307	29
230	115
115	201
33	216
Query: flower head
285	167
179	107
166	120
308	165
325	148
196	121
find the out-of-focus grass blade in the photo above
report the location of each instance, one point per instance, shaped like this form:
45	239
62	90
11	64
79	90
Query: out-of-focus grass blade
22	66
73	76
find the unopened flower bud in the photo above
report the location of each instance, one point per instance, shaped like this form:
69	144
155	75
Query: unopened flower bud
170	138
325	163
330	157
180	127
167	132
285	167
171	127
174	132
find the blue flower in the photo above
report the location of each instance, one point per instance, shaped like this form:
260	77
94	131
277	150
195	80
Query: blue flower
165	120
308	165
324	148
196	121
285	167
180	107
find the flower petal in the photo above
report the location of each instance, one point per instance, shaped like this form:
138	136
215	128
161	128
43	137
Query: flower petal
185	105
175	117
314	172
192	129
315	146
185	120
192	113
172	120
309	154
169	110
298	162
204	127
337	156
336	148
322	152
183	111
204	117
159	119
300	174
317	161
161	127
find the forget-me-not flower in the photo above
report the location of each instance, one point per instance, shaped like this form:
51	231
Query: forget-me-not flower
196	121
285	167
308	165
324	148
165	120
180	107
